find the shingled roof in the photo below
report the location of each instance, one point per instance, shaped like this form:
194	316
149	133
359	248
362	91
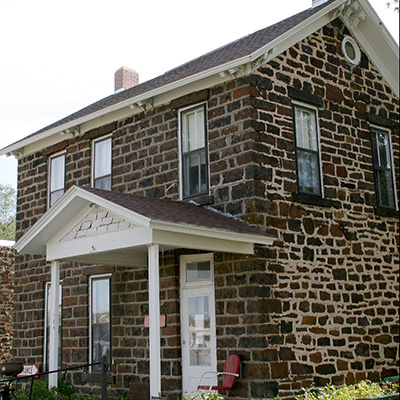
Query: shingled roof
178	212
232	51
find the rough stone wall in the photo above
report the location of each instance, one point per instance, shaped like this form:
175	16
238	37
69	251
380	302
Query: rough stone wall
6	301
335	314
320	305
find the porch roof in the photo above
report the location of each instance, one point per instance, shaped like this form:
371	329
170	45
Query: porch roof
99	226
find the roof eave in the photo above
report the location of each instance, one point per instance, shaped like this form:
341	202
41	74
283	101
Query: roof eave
387	65
213	233
15	148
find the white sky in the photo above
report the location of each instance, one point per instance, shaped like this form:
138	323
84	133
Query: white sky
58	56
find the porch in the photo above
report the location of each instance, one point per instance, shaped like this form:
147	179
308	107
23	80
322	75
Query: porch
91	226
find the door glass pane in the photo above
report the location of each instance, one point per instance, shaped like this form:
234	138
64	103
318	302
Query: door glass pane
198	272
101	329
308	171
199	331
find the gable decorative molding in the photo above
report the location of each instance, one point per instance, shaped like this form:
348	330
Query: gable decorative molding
350	12
99	221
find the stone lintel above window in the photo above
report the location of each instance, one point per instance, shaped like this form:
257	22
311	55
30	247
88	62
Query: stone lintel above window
98	270
100	131
190	99
56	148
306	97
381	120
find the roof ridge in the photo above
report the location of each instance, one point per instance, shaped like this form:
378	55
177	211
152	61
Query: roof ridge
231	51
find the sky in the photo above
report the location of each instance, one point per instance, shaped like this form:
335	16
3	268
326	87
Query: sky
58	56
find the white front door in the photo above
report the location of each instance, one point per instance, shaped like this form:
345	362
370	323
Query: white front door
197	321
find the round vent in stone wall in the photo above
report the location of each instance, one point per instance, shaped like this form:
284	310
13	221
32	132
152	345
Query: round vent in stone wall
351	50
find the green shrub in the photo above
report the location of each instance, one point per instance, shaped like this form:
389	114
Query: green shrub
64	391
352	392
204	395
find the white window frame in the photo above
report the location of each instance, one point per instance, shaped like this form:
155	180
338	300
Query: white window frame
101	139
49	191
374	129
192	258
315	109
206	148
91	278
356	60
46	320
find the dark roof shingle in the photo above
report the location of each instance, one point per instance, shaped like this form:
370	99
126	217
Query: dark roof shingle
178	212
232	51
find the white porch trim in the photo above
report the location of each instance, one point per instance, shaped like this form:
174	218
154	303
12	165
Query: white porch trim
154	321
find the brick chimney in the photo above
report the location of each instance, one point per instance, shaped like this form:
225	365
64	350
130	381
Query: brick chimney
125	78
316	3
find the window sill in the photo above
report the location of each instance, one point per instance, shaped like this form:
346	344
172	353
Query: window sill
203	199
386	212
315	200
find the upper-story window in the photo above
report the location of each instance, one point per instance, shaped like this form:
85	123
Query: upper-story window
383	167
307	151
102	163
57	178
194	152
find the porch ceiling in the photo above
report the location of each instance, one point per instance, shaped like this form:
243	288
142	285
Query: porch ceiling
96	226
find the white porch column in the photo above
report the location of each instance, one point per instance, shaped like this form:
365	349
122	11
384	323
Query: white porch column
154	321
54	318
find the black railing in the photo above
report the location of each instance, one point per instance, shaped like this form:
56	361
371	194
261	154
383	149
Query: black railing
5	384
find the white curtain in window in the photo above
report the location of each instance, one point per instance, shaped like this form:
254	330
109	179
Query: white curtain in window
102	158
193	130
306	129
57	172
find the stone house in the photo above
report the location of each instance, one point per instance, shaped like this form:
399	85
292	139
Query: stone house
7	255
245	202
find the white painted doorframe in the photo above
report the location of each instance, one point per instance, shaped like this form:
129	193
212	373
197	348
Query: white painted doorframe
201	334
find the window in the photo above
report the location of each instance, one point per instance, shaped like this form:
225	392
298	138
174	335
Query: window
383	168
194	154
47	327
57	178
351	50
100	320
102	163
307	151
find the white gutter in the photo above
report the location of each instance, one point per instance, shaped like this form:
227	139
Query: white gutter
155	92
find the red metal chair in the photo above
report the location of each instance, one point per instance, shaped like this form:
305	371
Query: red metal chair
229	375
